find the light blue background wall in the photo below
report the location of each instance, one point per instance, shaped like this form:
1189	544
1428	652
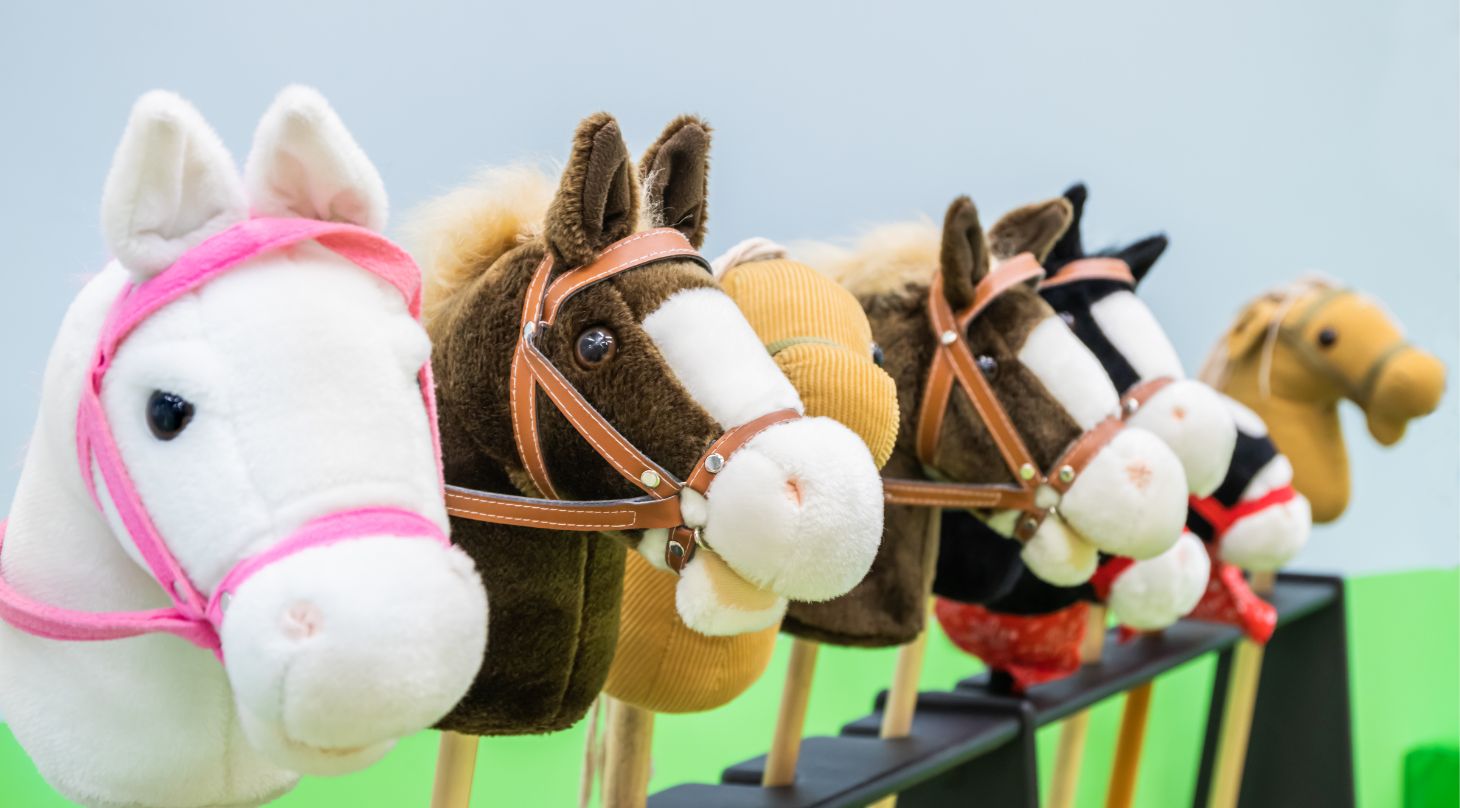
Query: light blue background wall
1265	138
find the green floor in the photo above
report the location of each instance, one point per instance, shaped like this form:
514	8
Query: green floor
1406	684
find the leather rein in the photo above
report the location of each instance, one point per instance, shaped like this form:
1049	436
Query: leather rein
532	370
954	362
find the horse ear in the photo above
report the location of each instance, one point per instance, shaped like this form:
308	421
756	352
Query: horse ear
172	184
676	174
597	202
1251	327
1142	255
1069	247
964	256
1033	228
305	164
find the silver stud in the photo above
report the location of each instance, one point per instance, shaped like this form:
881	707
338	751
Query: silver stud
1067	474
948	337
1026	472
714	463
528	330
1031	525
650	478
1131	405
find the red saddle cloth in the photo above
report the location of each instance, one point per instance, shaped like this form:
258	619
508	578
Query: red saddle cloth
1031	649
1230	600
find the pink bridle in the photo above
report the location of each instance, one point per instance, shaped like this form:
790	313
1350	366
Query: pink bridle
193	616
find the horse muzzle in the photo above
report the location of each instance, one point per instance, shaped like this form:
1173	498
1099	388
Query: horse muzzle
1130	500
1408	386
1192	419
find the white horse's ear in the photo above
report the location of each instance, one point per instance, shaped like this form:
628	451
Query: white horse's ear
304	163
172	185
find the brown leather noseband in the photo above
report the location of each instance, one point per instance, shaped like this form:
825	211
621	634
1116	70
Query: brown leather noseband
953	361
532	370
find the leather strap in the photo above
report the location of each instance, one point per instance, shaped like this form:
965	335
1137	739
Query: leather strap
533	370
1137	396
1092	269
953	361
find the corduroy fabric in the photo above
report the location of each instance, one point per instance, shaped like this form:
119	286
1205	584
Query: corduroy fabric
661	664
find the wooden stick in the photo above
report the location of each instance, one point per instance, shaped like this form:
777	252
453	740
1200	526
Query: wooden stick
1231	753
902	697
1122	789
1072	734
626	758
456	763
780	763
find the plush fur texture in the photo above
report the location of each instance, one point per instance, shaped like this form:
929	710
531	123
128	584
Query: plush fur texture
890	273
331	653
664	663
1297	394
560	592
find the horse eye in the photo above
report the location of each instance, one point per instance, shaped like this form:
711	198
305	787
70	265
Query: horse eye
1327	337
988	366
1068	318
596	346
168	414
877	357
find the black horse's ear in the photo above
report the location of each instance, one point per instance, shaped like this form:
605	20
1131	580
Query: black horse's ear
1070	247
963	258
1142	255
597	202
676	174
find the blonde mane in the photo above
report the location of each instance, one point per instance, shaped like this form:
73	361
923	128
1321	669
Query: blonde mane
890	259
1274	304
456	237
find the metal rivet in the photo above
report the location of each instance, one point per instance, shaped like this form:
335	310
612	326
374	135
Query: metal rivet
1030	524
225	601
528	329
714	463
650	478
1026	472
1131	405
1067	474
949	337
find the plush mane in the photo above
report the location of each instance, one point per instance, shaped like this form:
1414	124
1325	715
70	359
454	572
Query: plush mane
1273	304
890	259
459	235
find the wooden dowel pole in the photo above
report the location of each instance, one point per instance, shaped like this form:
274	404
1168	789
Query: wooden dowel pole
456	763
1231	753
1072	733
626	756
1122	790
902	697
780	764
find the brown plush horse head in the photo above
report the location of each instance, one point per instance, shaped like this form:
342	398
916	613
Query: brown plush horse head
1295	352
1130	500
670	363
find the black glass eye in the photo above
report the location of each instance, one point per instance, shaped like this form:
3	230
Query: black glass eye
1068	318
168	414
877	357
988	366
596	346
1327	337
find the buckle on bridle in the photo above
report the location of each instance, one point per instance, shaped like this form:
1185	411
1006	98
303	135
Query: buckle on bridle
683	543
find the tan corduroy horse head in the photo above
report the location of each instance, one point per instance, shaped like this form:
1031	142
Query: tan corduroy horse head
1295	352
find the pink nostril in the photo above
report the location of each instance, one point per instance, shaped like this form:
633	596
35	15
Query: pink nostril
302	620
1139	474
1179	413
793	490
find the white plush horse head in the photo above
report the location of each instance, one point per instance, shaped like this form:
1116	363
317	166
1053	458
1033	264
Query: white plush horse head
282	393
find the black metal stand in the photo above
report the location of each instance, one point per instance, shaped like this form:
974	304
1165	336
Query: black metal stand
970	745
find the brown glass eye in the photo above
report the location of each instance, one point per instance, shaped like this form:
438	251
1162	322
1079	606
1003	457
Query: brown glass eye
1068	318
168	414
596	346
988	366
1327	337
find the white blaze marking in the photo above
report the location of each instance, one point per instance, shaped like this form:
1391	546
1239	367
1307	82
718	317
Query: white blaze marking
1129	325
1070	372
718	358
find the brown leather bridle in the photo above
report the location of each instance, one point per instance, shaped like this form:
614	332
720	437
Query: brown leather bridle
953	361
658	507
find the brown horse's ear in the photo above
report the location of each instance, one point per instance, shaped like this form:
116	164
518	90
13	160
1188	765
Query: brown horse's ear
598	199
964	257
1033	228
676	175
1251	328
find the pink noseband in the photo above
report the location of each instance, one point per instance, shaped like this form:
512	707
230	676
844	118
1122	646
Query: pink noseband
193	616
